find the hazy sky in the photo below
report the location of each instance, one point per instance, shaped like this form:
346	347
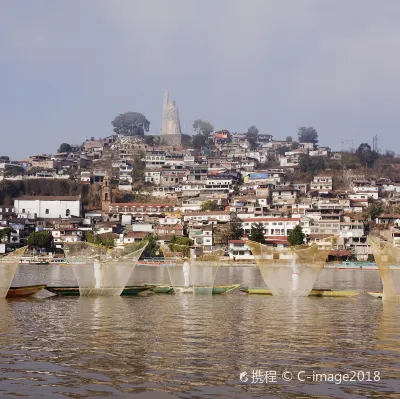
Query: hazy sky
67	68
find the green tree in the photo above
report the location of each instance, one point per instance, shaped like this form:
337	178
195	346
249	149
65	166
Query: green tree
366	155
40	239
106	239
181	244
153	248
295	145
307	135
6	233
257	233
289	138
131	124
64	147
230	231
252	137
296	236
373	210
209	205
202	127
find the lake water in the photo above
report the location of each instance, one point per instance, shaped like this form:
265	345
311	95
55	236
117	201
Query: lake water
187	346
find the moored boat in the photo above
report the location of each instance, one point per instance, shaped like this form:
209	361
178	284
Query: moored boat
378	295
20	292
74	291
352	265
314	292
216	289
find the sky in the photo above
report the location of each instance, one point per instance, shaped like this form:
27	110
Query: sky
68	67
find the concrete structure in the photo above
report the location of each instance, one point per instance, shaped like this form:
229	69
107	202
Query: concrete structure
47	207
171	127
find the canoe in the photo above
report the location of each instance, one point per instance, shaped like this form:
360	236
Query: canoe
167	289
316	292
20	292
74	291
377	295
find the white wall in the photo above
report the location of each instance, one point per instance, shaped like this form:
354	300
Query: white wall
55	208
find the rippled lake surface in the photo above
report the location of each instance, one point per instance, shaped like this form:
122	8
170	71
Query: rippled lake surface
189	346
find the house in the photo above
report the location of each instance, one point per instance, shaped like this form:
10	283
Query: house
202	236
322	184
47	206
208	217
275	228
238	250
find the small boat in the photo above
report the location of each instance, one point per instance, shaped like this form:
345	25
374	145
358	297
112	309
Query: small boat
314	292
20	292
377	295
216	289
352	265
74	291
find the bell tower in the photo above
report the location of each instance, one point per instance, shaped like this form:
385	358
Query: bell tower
106	195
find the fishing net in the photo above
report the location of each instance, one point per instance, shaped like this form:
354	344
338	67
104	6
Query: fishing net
291	271
8	266
100	270
195	274
387	258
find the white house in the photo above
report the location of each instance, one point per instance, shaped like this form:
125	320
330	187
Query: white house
48	206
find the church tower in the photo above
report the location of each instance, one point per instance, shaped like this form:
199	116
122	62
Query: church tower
106	195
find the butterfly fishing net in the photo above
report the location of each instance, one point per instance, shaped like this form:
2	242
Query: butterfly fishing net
195	274
291	271
100	270
387	258
8	266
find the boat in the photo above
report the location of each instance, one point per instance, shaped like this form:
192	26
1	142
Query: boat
28	290
33	260
352	265
168	289
74	291
315	292
377	295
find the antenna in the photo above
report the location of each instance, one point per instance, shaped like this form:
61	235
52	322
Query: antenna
375	143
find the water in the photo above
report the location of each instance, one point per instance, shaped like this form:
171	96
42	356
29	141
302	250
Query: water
196	347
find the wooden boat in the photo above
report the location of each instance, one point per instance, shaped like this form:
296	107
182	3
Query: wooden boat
314	292
378	295
216	289
74	291
20	292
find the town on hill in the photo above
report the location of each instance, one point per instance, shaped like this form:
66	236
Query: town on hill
211	190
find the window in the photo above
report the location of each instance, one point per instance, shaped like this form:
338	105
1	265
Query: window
67	212
46	211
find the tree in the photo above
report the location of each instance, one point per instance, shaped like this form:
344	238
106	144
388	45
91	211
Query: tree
281	150
296	236
289	138
307	135
257	233
40	239
64	147
106	239
6	232
295	145
230	231
390	154
153	248
209	205
181	244
202	127
131	124
366	155
199	141
252	137
373	210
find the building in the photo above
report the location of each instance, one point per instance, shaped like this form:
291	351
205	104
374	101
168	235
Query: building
171	127
48	207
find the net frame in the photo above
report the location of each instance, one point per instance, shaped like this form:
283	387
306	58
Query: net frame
200	276
100	270
8	267
291	271
387	258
